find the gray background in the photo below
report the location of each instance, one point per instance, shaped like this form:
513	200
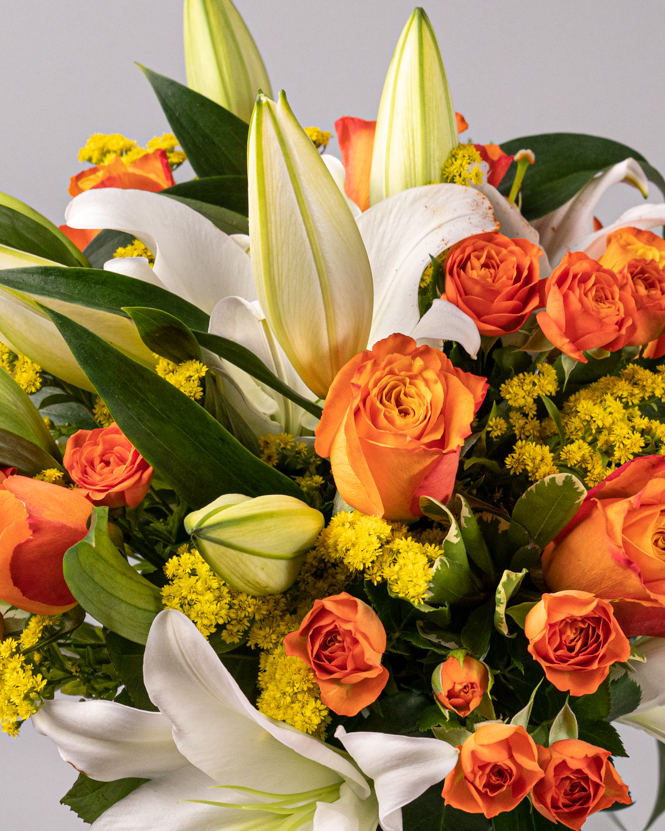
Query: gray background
514	68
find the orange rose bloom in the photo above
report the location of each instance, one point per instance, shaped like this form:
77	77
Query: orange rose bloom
342	640
38	523
107	467
149	172
497	767
586	307
615	546
628	244
646	282
393	424
495	280
579	781
460	687
574	636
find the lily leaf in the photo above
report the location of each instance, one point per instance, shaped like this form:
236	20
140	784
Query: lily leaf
548	506
18	415
226	191
26	456
102	247
228	221
164	334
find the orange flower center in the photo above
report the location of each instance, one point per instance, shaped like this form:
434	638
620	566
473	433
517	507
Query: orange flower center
658	538
495	777
574	790
578	638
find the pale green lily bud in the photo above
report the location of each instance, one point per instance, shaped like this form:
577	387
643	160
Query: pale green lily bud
221	58
256	545
311	270
416	127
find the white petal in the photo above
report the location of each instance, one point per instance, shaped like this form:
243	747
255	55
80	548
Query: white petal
193	258
348	813
650	675
402	767
651	721
216	727
108	741
444	321
338	173
136	267
402	232
560	230
643	217
241	240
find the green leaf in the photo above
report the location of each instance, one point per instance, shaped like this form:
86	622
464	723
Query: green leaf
214	139
594	706
508	585
102	290
106	585
474	542
548	506
478	630
519	612
522	718
18	415
102	247
226	191
196	456
554	414
527	556
452	580
522	818
430	813
127	659
228	221
602	734
28	458
89	798
243	664
164	334
241	357
564	725
400	714
564	163
659	807
626	696
23	228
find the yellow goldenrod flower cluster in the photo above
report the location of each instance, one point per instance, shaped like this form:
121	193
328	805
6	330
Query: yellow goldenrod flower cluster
20	687
102	148
26	373
34	628
51	475
535	459
522	391
320	138
185	376
497	426
298	460
462	167
102	414
135	249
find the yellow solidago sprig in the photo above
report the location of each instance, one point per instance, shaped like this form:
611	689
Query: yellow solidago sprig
102	414
320	138
25	372
522	391
102	148
169	143
20	686
462	167
185	376
135	249
51	475
299	461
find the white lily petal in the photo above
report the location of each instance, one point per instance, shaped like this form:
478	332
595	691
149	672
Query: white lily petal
643	217
401	233
650	675
651	721
241	240
560	229
444	321
186	680
136	267
108	741
402	767
310	266
193	258
348	813
338	173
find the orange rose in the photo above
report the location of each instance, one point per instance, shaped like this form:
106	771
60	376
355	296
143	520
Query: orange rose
342	640
495	280
107	467
460	687
579	780
574	636
151	171
586	307
615	546
628	244
646	282
497	767
38	523
393	424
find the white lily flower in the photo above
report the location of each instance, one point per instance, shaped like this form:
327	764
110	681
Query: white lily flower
650	675
416	126
221	58
207	735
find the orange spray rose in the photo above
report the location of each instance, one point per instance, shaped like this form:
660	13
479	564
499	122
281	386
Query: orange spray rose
342	640
497	767
393	424
575	637
586	307
495	280
628	244
107	467
646	282
460	687
38	523
579	780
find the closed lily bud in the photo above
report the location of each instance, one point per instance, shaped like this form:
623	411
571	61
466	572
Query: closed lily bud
310	266
416	127
255	545
221	58
459	685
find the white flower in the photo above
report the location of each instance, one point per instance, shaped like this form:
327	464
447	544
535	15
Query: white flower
207	735
650	675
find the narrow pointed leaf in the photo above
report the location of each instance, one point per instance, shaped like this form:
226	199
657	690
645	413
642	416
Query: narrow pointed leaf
228	221
508	585
165	335
26	456
102	247
564	725
19	415
226	191
475	544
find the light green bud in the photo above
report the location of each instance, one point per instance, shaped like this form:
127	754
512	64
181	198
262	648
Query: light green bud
256	545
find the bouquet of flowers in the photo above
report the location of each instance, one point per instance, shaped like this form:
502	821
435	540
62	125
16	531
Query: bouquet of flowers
333	491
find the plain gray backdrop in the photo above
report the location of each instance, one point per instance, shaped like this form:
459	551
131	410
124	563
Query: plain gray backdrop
515	69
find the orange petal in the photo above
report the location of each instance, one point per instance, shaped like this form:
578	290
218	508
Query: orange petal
350	699
150	172
356	143
462	124
79	236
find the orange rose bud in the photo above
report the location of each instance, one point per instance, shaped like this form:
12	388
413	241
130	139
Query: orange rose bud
615	546
393	424
38	523
107	467
579	780
460	687
342	640
495	280
497	767
575	637
149	172
628	244
586	307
